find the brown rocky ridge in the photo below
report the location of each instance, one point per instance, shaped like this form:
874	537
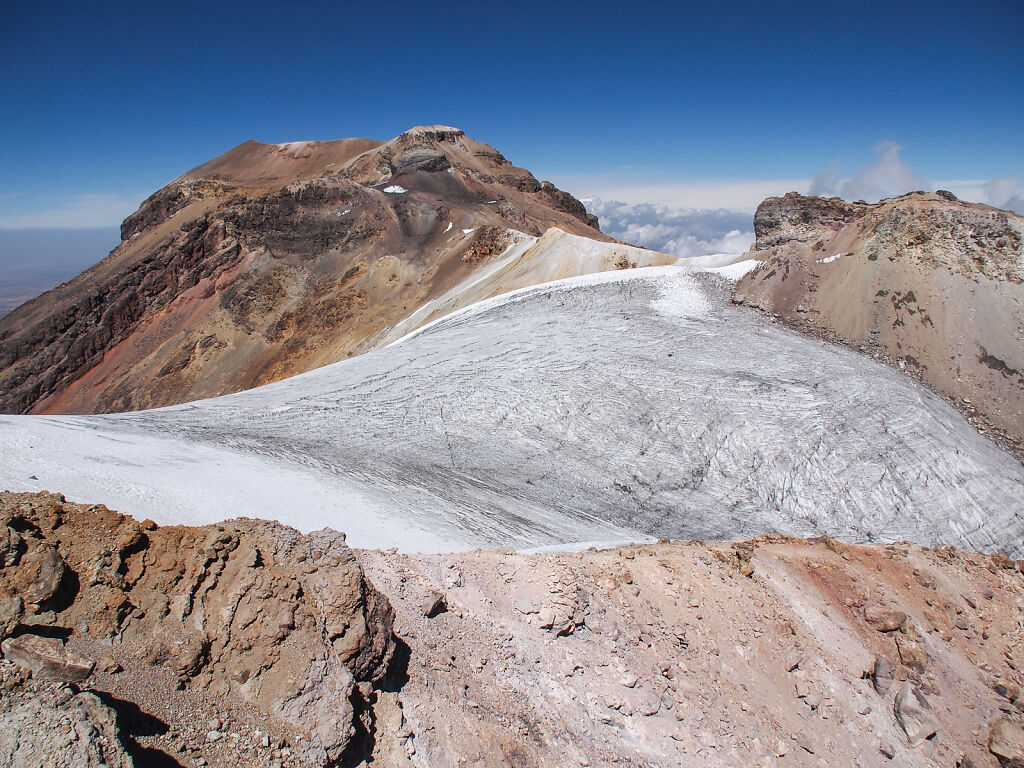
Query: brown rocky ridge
925	281
268	261
250	644
248	621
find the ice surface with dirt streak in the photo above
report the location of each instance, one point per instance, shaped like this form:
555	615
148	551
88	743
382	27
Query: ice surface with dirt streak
611	407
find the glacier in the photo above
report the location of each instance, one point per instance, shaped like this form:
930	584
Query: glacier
620	406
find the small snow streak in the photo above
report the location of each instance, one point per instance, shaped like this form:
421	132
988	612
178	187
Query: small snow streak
830	259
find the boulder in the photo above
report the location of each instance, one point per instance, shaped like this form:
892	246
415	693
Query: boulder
912	655
547	617
882	675
38	574
883	619
433	603
1006	742
31	732
1007	689
47	658
914	714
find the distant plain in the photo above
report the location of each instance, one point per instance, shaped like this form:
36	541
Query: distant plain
32	261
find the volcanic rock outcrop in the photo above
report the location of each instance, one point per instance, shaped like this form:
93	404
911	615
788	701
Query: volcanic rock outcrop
282	627
268	261
46	723
248	645
758	653
930	283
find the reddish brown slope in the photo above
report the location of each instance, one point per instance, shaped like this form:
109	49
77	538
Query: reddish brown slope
268	261
295	651
925	280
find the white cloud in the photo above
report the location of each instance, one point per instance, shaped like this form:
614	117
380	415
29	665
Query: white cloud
77	212
1001	192
634	189
1004	192
683	232
888	177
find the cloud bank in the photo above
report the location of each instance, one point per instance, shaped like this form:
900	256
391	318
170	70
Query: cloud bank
636	189
890	176
681	232
1004	192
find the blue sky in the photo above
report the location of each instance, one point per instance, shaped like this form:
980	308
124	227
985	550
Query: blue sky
685	105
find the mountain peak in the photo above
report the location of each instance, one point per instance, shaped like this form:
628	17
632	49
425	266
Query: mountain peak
270	260
438	131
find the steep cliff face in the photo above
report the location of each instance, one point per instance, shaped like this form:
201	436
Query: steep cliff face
268	261
931	283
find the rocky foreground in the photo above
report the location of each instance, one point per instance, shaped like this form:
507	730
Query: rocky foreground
192	636
247	643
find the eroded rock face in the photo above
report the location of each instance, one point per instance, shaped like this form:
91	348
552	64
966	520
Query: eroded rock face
268	261
795	218
49	724
1006	742
250	610
721	654
925	281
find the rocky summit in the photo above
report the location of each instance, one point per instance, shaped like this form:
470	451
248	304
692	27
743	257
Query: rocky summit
268	261
928	282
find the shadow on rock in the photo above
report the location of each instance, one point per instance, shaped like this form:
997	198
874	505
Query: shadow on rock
133	723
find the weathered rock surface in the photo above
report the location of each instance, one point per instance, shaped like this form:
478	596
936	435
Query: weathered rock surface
1006	742
914	714
930	283
267	261
882	675
47	658
52	725
682	659
249	644
280	623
